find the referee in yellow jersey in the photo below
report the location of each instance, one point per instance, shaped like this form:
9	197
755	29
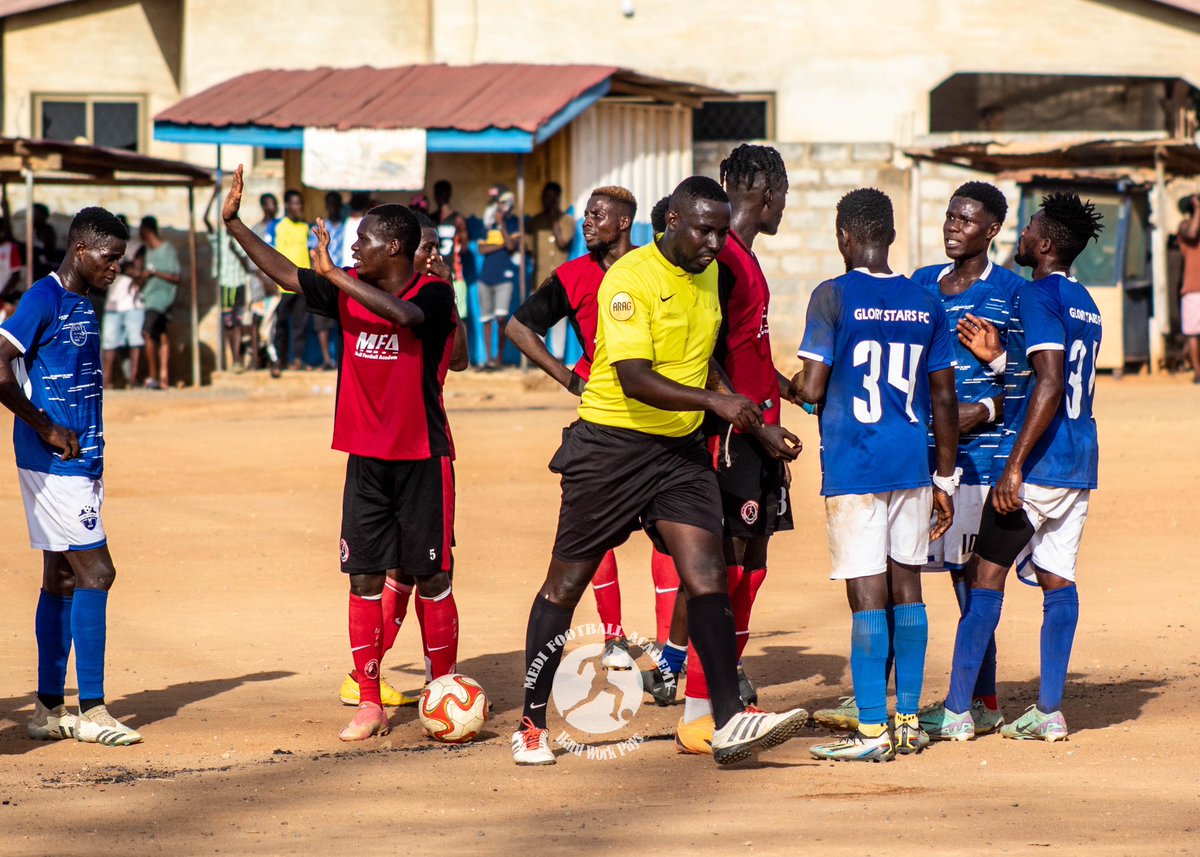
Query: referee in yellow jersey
636	458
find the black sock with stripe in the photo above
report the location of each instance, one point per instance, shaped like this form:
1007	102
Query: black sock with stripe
543	652
711	631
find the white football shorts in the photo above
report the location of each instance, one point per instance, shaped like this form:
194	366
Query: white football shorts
1057	516
63	512
865	529
952	551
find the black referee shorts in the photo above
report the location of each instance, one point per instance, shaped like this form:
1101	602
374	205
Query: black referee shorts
397	514
754	492
615	481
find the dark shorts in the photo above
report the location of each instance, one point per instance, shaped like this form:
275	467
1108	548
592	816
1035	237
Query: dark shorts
233	305
754	493
1002	537
155	324
397	514
615	481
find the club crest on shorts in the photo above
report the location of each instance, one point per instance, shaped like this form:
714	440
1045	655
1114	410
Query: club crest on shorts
621	306
344	550
89	517
750	511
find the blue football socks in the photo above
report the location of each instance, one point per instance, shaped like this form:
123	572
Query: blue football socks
910	639
674	656
88	627
975	631
1060	615
869	645
52	628
985	685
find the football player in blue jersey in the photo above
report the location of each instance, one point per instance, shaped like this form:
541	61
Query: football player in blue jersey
1038	505
879	360
52	381
970	285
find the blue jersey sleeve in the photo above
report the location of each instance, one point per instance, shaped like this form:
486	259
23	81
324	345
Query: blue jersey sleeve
36	311
941	348
820	328
1044	330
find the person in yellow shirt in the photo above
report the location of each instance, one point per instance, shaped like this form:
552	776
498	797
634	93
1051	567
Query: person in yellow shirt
293	238
636	458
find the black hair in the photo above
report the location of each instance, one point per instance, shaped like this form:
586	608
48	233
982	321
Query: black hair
866	214
335	194
658	215
552	185
148	222
288	194
695	188
94	224
398	222
746	162
262	199
440	185
360	201
1069	223
1187	205
424	220
988	195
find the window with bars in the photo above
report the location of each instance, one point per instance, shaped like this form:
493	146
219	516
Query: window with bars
114	121
749	117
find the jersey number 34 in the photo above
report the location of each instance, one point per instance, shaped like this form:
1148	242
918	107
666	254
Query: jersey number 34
903	362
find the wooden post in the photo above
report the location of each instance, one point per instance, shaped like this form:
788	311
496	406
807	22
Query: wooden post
28	226
1160	294
195	311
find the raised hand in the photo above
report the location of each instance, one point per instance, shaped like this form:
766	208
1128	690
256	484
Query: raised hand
980	337
233	200
437	267
321	261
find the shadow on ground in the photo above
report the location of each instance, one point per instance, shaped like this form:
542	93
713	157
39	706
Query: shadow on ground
146	706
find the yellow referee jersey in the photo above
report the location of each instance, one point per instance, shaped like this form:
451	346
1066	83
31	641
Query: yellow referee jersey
651	310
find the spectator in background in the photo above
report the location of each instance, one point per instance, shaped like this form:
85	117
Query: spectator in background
293	238
1189	292
419	204
360	203
124	317
159	280
335	223
266	287
497	274
11	269
452	242
550	235
46	257
232	271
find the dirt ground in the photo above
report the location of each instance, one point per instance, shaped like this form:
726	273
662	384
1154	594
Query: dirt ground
227	645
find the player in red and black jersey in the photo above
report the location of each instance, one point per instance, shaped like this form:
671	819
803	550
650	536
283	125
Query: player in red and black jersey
751	468
570	292
398	504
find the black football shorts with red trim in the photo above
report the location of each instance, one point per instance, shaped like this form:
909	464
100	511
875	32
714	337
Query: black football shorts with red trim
616	480
397	514
754	491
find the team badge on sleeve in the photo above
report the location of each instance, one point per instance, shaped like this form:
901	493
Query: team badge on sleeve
621	307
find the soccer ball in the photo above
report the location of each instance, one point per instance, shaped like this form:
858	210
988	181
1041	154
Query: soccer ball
453	709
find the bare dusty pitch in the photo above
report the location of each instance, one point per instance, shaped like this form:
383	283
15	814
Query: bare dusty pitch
227	645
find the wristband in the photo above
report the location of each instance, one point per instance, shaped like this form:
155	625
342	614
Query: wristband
990	404
809	408
997	365
948	484
577	384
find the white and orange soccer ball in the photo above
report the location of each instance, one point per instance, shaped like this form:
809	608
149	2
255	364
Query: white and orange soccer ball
453	709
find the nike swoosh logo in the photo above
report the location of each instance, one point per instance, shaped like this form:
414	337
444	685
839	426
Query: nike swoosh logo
543	705
439	648
667	298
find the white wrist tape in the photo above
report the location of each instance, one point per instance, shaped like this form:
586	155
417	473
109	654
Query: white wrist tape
948	484
997	365
990	404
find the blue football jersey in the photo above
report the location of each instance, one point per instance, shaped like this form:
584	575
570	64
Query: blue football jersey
1058	315
989	298
59	368
882	336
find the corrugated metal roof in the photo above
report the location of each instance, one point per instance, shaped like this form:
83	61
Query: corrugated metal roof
464	98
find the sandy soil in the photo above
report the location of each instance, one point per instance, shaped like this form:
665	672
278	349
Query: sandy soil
227	646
